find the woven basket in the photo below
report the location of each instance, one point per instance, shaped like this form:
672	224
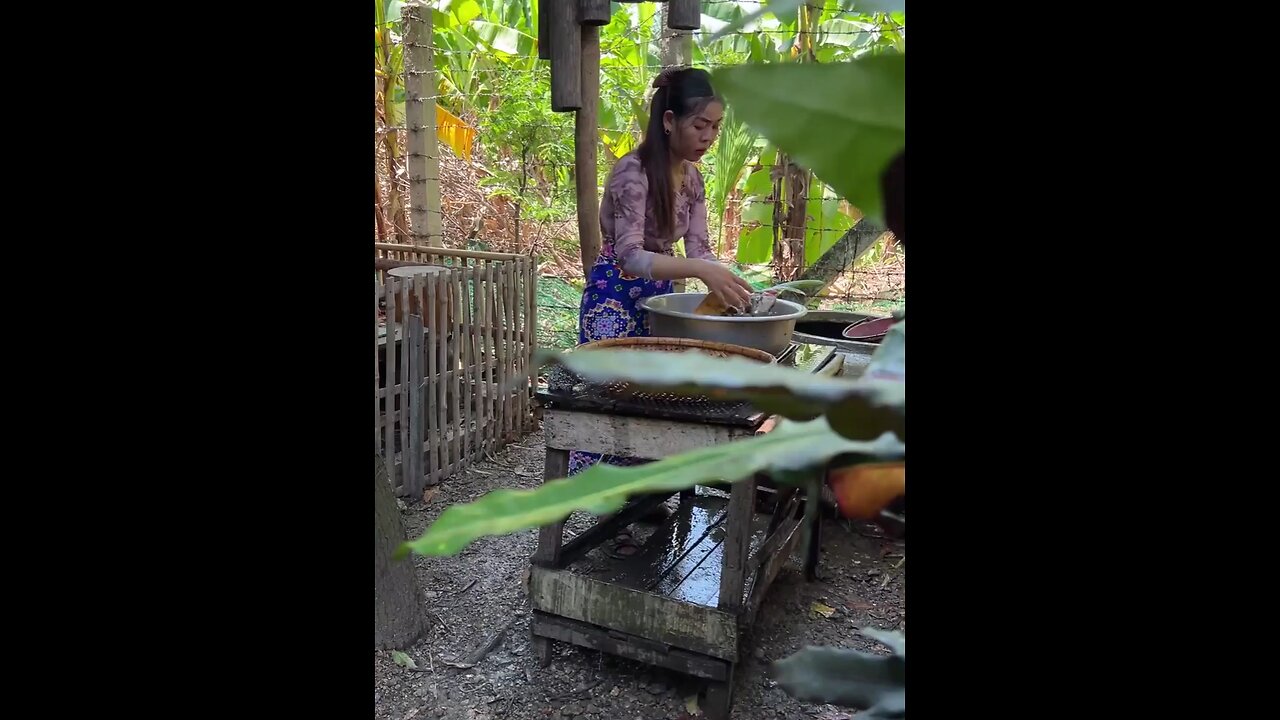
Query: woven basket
666	344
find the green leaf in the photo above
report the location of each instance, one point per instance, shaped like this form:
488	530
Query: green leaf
465	10
758	211
604	488
756	247
845	121
502	39
404	660
805	287
760	182
826	224
848	678
861	409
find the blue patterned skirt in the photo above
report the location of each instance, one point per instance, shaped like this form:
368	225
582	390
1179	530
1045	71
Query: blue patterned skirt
609	310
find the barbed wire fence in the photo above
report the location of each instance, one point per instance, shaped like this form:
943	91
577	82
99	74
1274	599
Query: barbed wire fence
477	212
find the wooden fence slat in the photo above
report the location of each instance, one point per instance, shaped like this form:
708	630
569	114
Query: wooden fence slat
412	460
439	329
455	365
434	461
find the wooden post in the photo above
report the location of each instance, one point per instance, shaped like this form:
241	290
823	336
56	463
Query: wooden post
684	15
677	51
544	37
594	12
566	56
420	118
586	134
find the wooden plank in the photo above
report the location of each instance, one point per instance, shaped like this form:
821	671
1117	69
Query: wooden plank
692	627
440	310
455	362
377	382
435	459
789	532
628	646
530	335
504	353
389	408
632	436
404	289
738	527
477	351
550	537
443	252
412	450
464	341
491	336
510	382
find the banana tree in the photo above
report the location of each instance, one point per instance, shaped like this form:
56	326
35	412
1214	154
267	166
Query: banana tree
389	113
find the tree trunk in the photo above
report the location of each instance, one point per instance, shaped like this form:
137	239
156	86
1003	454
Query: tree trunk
855	242
398	618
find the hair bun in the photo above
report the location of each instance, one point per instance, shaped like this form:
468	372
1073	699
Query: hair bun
664	78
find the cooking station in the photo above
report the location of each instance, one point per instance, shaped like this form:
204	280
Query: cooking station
697	581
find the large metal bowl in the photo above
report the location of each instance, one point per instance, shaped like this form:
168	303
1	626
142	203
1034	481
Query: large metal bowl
672	315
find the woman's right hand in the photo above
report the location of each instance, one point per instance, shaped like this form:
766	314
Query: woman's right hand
732	290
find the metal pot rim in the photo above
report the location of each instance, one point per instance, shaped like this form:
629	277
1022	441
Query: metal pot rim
799	311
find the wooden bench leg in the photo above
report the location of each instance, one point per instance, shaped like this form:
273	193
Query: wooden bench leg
812	527
542	646
550	540
719	697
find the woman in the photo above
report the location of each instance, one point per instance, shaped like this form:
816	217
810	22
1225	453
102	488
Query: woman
654	197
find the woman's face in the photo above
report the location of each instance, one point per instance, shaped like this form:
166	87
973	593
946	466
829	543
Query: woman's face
692	135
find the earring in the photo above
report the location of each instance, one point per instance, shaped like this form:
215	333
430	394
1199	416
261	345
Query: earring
666	130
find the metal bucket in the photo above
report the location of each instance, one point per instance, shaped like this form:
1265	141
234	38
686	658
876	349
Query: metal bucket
672	316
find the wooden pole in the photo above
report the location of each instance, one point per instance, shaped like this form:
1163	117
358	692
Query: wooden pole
677	51
684	15
420	118
586	134
544	36
593	12
566	56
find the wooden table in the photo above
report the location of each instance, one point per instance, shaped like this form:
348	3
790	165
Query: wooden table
698	581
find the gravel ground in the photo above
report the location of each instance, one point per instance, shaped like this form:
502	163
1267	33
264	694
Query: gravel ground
475	594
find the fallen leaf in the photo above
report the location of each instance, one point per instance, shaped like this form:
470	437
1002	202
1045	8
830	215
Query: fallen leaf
823	610
403	660
428	494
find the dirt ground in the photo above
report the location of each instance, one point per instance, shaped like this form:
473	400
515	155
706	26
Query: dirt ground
474	594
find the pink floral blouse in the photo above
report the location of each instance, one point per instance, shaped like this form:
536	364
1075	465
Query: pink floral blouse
628	229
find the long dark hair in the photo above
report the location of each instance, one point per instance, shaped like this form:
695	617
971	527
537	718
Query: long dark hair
683	91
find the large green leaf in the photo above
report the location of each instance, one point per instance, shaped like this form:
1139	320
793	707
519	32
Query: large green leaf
849	678
845	121
604	488
760	182
503	39
756	247
465	10
861	409
825	224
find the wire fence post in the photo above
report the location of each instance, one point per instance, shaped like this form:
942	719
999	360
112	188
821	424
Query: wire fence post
420	118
